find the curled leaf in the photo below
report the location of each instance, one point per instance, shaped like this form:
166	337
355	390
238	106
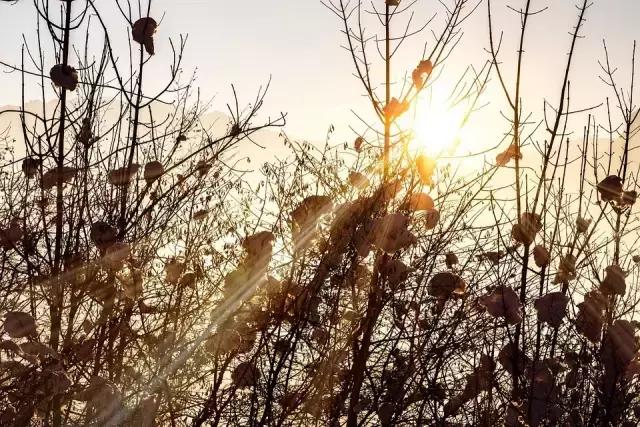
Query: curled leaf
311	209
566	270
444	285
610	188
419	202
451	259
143	31
103	234
64	76
173	270
390	233
420	73
541	256
11	236
511	153
116	254
525	231
426	167
552	308
201	214
614	281
431	218
50	177
582	225
244	375
259	244
123	176
30	166
590	319
18	324
503	302
395	272
395	109
152	171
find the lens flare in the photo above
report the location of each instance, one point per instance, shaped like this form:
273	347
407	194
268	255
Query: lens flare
438	129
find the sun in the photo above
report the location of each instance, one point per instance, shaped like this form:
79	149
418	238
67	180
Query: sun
438	129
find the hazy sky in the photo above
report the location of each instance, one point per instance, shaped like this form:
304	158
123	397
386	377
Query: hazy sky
297	42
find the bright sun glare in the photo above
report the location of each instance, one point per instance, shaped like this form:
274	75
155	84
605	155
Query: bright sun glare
437	130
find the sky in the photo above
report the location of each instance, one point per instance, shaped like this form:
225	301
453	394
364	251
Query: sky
297	44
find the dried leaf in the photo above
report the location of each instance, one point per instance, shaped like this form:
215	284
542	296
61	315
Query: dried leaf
50	177
419	202
552	308
426	167
18	324
152	171
503	302
311	209
103	234
614	281
143	31
123	176
610	188
541	256
451	259
390	233
244	375
431	218
31	166
395	109
445	285
64	76
395	272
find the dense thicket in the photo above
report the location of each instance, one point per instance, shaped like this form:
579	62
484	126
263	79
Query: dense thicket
145	279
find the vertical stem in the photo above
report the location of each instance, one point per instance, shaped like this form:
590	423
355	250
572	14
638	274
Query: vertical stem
387	121
56	308
58	295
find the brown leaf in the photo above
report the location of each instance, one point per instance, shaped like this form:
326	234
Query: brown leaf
610	188
18	324
311	209
395	272
259	244
582	225
590	320
116	254
614	281
64	76
152	171
552	308
123	176
390	233
541	256
451	259
444	285
419	202
395	109
50	177
103	234
511	153
431	218
31	166
143	31
566	270
244	375
503	302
